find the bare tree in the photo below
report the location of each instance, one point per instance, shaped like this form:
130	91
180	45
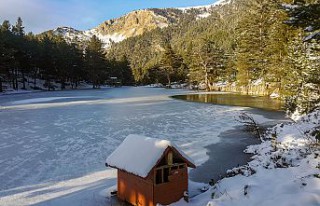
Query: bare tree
251	125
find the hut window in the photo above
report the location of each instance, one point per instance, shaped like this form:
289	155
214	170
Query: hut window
159	176
162	175
170	158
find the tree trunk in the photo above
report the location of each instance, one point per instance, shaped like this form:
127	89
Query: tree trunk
23	82
49	85
169	80
12	79
1	85
34	82
63	85
206	80
280	86
16	79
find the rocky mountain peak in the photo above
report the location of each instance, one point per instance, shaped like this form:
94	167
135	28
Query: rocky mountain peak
134	23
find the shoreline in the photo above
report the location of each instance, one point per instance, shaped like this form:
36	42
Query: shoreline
230	103
235	142
21	91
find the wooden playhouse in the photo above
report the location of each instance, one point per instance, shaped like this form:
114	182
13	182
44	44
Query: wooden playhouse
150	171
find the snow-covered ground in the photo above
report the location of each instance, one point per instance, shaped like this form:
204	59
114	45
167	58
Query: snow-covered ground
54	144
285	171
40	85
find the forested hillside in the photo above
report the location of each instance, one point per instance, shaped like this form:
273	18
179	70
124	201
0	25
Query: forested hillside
27	58
236	44
271	43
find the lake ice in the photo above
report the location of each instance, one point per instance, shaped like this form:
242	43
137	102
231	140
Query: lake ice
53	137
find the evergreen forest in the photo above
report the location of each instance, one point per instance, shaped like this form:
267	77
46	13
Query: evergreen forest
275	43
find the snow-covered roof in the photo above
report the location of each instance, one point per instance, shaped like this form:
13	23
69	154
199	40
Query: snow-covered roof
139	154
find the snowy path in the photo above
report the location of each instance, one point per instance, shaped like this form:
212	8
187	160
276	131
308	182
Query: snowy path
55	151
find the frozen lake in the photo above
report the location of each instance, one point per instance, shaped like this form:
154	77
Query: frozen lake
52	138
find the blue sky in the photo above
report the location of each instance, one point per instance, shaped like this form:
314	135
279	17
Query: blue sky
41	15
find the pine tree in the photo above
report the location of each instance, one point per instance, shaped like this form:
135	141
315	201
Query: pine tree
33	47
278	38
96	63
21	54
251	40
76	70
47	61
121	69
170	63
208	61
18	29
305	55
2	59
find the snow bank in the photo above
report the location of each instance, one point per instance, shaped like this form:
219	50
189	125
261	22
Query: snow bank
42	85
174	85
285	170
157	85
275	95
315	35
139	154
257	82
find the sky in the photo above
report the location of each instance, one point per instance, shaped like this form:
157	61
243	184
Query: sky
42	15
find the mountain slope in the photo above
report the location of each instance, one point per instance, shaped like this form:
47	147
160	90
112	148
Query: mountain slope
134	23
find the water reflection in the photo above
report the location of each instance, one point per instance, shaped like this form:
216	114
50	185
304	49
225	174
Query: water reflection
235	100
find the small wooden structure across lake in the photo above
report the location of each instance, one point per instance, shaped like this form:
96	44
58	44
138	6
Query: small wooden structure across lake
150	171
